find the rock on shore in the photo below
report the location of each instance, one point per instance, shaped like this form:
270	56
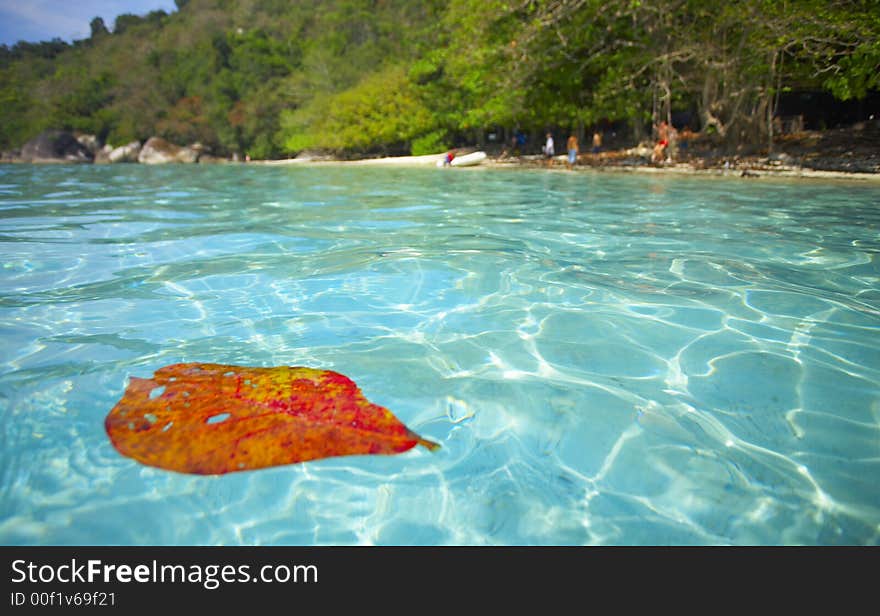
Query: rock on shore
158	151
127	153
55	146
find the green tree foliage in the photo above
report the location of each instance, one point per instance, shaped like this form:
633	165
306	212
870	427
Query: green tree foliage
353	77
98	27
381	113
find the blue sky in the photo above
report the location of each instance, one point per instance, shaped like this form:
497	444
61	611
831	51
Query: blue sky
43	20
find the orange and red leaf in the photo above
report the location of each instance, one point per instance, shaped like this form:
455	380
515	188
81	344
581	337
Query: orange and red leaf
212	419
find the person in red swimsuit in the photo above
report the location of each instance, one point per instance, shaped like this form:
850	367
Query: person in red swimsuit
659	154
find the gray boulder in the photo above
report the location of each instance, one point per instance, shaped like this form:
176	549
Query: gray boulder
102	156
128	153
55	146
157	151
90	142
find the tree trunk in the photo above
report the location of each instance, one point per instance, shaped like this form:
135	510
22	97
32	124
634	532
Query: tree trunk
708	106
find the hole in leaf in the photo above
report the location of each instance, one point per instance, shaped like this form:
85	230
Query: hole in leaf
151	418
166	426
213	419
156	392
230	373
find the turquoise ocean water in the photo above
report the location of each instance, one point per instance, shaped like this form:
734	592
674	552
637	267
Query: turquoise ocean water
605	358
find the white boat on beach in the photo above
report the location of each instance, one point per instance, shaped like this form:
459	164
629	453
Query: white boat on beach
466	160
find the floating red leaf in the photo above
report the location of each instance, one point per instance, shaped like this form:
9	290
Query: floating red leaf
212	419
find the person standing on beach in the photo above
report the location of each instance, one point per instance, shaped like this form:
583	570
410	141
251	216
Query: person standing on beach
572	147
597	142
659	154
548	149
663	131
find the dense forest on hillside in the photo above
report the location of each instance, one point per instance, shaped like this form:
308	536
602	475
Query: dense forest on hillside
353	77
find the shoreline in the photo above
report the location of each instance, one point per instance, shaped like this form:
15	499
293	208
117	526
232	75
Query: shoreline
860	164
747	169
739	170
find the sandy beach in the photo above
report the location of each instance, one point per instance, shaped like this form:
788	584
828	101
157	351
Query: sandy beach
612	162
